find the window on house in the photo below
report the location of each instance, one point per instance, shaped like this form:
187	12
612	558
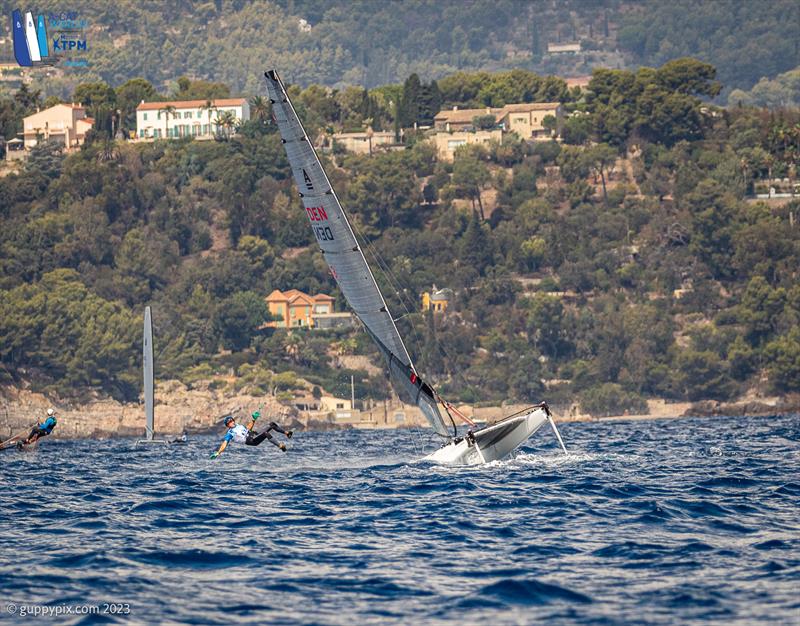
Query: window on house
158	115
521	120
187	115
340	405
144	116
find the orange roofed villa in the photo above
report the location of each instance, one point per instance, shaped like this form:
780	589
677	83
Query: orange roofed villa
295	309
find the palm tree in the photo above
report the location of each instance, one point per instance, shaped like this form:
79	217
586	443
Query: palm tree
259	107
227	120
108	151
209	106
168	110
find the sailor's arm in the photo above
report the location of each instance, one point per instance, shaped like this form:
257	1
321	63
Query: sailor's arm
221	448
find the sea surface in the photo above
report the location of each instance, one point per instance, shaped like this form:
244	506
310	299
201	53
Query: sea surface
691	521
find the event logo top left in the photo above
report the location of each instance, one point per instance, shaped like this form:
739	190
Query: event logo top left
33	46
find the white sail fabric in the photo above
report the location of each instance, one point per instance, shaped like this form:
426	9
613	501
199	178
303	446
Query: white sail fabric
147	368
344	256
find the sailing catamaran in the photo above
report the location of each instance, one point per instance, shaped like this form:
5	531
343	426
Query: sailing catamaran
350	269
147	369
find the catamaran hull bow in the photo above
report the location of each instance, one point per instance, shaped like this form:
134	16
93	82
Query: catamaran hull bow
493	443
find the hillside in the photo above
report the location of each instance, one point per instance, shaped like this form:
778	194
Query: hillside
626	263
362	42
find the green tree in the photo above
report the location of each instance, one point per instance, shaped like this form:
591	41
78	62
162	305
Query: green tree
546	326
783	354
760	309
484	122
238	317
703	375
260	108
611	399
470	176
200	90
94	96
475	245
129	95
77	338
601	159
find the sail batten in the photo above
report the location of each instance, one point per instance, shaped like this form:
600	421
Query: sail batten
344	256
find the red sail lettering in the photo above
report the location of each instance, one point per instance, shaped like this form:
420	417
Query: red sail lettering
316	213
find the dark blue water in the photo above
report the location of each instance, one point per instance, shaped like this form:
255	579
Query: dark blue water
654	522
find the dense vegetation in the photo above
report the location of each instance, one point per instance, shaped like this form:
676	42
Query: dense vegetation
363	42
621	264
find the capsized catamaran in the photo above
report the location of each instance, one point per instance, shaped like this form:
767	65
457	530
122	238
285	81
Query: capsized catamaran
147	370
352	273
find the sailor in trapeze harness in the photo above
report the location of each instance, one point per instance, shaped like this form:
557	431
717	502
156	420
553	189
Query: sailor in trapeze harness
246	435
43	428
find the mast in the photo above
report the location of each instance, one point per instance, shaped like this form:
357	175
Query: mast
344	256
147	367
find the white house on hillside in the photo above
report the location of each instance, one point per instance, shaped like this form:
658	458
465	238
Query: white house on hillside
188	118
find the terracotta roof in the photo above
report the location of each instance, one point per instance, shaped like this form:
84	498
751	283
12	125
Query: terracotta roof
189	104
528	106
293	295
276	296
301	297
463	116
578	81
74	107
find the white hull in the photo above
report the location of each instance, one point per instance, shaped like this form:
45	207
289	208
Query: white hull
492	443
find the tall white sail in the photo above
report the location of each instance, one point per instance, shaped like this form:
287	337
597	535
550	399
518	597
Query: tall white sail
30	35
344	256
147	367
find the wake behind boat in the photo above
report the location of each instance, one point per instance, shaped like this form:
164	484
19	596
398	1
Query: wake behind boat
349	267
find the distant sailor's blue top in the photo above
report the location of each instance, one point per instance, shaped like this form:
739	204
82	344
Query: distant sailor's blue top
48	425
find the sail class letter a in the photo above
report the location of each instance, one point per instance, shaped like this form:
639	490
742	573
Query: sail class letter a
307	181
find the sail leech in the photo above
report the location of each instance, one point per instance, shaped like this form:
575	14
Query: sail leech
334	235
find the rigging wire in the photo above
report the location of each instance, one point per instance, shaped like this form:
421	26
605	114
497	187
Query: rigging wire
394	283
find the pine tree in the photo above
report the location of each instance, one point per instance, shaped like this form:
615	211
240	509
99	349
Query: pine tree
409	104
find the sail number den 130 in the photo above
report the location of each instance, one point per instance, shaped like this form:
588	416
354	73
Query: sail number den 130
318	214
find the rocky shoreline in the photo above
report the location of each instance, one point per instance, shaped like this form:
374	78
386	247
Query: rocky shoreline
201	409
